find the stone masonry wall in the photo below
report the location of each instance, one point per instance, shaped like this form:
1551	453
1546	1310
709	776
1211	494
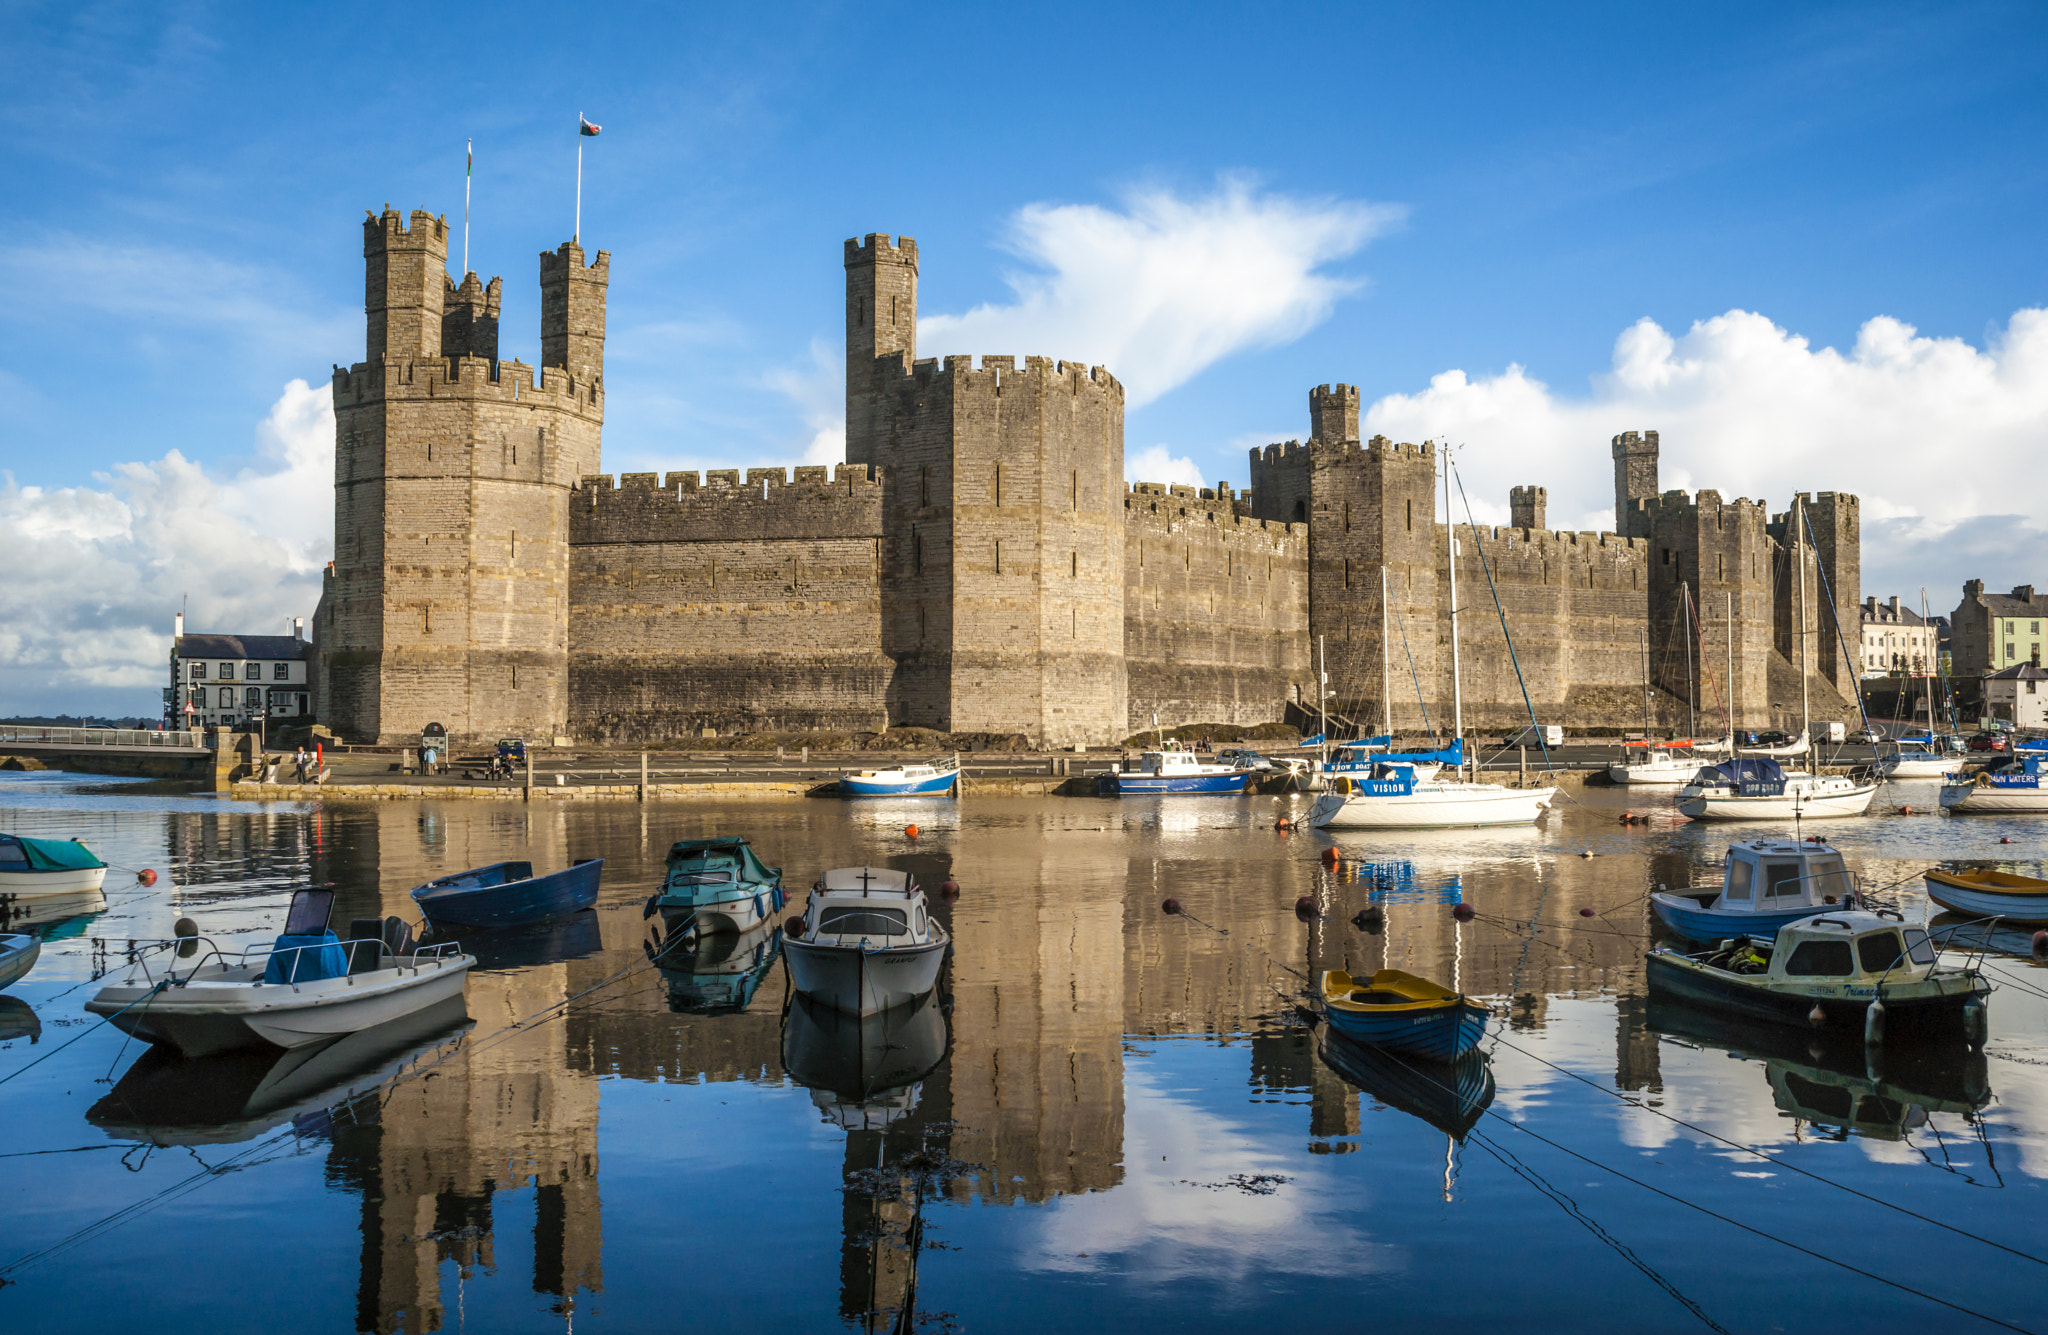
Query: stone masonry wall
725	604
1215	610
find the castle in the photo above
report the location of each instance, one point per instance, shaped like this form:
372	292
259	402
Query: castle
979	565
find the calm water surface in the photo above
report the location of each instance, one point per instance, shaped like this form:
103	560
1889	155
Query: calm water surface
1112	1116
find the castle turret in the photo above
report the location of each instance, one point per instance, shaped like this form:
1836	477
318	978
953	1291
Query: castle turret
572	312
1333	413
469	320
1528	507
405	277
881	322
1635	481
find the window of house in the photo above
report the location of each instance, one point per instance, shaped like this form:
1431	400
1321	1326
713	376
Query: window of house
281	672
199	672
227	697
252	698
252	671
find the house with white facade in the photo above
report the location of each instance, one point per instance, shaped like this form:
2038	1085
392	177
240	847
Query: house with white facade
1897	641
221	680
2016	696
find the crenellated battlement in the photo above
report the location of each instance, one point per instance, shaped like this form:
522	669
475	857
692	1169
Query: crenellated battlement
992	374
388	230
1508	548
719	506
1184	509
1295	453
876	246
464	377
566	260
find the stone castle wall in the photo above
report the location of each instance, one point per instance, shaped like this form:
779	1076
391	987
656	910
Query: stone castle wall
726	604
1215	609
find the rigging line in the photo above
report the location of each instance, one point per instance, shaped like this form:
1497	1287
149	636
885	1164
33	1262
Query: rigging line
1775	1160
1571	1207
1413	671
1487	569
105	1019
1715	1214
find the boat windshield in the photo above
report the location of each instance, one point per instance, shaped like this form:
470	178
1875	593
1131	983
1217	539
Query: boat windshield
1918	946
1738	877
1826	874
1879	951
863	921
702	878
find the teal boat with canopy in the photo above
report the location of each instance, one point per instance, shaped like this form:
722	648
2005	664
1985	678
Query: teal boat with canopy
45	879
716	885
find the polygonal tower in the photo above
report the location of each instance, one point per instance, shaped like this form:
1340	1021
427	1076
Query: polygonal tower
1635	481
447	600
1002	575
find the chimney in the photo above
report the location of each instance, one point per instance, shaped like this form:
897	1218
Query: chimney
1895	607
299	626
2023	592
1870	608
178	626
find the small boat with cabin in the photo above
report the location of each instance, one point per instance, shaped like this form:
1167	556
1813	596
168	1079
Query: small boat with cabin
1765	884
1403	1013
42	880
2010	788
866	941
1660	764
1393	797
18	954
717	885
1983	893
308	986
1868	972
940	778
1911	761
1756	788
1174	772
507	894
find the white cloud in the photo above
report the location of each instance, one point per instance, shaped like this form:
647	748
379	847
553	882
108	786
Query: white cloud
819	388
1168	285
95	573
1155	463
1940	439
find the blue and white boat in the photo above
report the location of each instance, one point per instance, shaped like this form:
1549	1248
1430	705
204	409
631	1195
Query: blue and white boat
1392	797
2012	788
1765	884
938	779
1358	758
717	885
1404	1013
1178	773
507	894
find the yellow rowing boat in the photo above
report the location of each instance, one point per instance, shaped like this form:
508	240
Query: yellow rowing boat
1985	893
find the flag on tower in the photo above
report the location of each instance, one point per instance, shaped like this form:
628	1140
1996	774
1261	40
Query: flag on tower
586	127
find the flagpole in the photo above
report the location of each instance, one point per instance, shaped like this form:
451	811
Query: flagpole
576	235
468	165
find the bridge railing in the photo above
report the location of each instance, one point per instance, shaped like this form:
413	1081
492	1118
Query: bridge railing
167	740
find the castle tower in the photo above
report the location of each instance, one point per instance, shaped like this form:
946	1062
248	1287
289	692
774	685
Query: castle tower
881	321
1635	479
1333	413
448	600
1002	580
1723	553
1837	538
1528	507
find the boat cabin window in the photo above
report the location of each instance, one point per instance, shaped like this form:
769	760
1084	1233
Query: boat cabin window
864	922
1918	946
1820	959
1781	879
309	911
11	855
1879	951
1826	874
1738	878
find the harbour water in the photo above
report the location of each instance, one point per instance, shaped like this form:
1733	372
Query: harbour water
1109	1116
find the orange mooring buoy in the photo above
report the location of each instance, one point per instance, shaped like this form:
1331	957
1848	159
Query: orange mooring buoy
146	876
1330	856
910	832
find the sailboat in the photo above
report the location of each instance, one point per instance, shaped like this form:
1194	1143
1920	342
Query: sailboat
1394	797
1922	760
1665	764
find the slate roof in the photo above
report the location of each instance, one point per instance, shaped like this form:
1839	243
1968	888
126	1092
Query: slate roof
240	646
2018	672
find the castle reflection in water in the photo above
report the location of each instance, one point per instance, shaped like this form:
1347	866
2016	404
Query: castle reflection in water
1062	958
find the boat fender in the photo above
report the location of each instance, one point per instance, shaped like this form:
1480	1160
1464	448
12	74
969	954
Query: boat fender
1170	906
147	876
949	889
1305	907
1818	1016
647	909
1283	824
1464	912
2041	945
794	926
1873	1024
1975	1023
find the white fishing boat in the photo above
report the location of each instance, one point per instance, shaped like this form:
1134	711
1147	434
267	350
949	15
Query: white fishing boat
308	986
1659	765
940	778
1393	798
43	880
1755	788
1918	764
866	941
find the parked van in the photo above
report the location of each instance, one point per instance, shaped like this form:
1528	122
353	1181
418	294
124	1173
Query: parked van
1536	734
1830	732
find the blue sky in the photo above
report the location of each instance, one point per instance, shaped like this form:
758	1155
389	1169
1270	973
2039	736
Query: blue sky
1469	211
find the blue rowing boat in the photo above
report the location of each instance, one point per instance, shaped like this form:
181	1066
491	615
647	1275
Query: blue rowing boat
1403	1013
505	894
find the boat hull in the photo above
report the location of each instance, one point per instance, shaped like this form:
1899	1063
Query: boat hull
1683	916
1420	811
1779	806
1970	798
1918	767
1936	1004
1439	1034
862	982
737	914
1181	785
1652	776
939	785
515	903
18	954
1962	898
35	883
22	909
204	1016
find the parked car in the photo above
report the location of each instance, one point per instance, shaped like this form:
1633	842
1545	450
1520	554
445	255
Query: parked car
1867	736
1770	737
1536	734
1988	741
1244	759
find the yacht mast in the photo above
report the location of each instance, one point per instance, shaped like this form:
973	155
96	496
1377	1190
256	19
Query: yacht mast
1646	683
1451	553
1685	607
1805	716
1728	704
1387	667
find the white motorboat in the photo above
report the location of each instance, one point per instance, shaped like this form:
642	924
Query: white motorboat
1755	788
1766	884
1916	764
1395	799
43	880
2013	787
18	954
1658	766
309	986
866	941
1178	772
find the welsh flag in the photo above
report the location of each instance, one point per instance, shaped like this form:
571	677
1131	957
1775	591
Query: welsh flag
585	127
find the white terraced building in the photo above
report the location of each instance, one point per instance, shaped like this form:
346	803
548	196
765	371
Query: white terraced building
221	680
1897	641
